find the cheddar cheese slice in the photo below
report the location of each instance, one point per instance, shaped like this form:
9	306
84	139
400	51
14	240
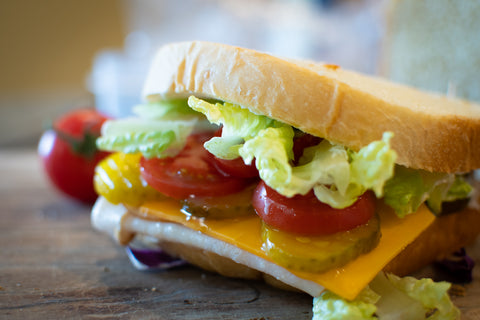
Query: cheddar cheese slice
347	281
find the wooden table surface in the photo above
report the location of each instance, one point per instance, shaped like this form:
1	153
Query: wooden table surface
54	265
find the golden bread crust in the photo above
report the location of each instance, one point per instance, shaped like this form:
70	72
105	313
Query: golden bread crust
432	132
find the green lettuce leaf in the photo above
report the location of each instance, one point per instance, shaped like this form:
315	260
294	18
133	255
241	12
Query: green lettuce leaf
409	188
158	129
272	149
460	189
329	306
239	125
336	176
166	109
152	138
390	297
373	165
448	188
413	298
368	169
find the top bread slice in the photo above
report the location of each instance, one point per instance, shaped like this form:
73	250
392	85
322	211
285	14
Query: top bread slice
431	132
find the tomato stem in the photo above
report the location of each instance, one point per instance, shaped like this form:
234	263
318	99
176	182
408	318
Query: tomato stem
85	146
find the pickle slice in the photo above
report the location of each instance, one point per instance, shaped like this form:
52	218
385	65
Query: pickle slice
319	253
223	207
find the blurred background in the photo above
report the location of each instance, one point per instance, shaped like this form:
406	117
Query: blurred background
58	55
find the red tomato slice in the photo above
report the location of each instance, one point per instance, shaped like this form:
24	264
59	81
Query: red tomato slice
301	142
306	215
191	173
236	168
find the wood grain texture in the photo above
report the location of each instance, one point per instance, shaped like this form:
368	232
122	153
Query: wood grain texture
54	265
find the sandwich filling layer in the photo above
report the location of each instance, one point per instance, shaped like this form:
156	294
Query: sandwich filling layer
165	142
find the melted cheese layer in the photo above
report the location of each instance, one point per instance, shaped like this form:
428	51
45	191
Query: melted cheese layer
347	281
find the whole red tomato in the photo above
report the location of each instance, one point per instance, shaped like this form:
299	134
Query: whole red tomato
69	154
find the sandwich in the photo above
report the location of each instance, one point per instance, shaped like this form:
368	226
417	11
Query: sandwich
306	175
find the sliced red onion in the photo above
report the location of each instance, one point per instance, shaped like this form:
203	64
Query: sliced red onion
458	268
152	259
